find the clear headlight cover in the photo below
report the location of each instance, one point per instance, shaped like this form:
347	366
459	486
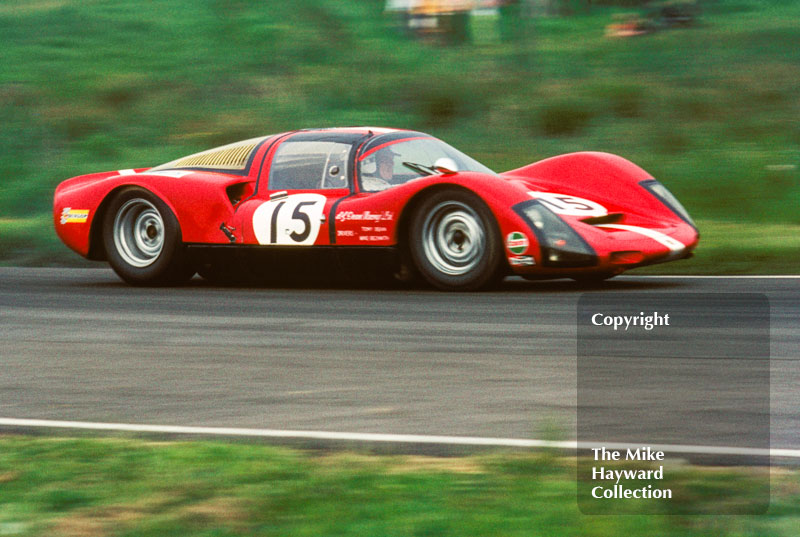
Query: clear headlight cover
667	198
561	245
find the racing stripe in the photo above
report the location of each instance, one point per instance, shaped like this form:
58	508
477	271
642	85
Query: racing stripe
177	174
675	246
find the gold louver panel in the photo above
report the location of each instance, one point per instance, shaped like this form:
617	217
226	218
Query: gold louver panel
228	157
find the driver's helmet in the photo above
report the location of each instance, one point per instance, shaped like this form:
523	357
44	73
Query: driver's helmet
378	169
385	163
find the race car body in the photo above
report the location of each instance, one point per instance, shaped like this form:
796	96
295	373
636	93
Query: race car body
385	200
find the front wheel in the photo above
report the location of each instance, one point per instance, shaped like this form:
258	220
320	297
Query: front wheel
454	242
142	240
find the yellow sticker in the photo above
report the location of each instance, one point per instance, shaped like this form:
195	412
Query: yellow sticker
74	216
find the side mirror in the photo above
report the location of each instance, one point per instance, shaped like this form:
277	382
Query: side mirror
446	166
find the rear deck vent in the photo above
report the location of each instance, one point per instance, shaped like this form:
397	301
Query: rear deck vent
228	157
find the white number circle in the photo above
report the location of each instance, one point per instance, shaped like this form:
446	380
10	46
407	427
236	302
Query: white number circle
569	205
293	220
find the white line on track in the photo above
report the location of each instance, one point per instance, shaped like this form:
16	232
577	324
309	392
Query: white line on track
719	277
393	438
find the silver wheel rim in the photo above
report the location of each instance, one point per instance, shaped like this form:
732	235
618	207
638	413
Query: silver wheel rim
139	232
453	238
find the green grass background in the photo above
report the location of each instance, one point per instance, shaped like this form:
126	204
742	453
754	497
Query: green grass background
713	111
66	487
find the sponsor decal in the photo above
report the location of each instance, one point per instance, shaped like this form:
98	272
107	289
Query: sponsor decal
365	216
517	242
521	261
74	216
569	205
289	220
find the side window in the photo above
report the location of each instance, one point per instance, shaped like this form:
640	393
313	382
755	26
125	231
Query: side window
309	165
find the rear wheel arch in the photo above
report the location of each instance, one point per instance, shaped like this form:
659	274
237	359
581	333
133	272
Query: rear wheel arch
158	258
97	250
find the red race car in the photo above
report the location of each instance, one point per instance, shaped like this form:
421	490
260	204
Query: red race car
372	201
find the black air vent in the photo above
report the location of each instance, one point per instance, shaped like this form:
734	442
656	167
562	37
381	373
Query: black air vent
610	218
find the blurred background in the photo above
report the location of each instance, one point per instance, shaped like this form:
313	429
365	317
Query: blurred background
703	94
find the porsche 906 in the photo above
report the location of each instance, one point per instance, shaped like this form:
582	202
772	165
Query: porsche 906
374	200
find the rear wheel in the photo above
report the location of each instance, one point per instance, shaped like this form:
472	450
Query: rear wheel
142	240
454	242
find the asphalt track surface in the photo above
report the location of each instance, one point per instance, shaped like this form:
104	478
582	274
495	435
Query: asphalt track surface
77	344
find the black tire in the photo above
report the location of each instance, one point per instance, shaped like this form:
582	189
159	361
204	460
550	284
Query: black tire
455	243
142	240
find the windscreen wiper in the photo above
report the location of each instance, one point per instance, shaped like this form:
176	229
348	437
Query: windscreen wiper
421	168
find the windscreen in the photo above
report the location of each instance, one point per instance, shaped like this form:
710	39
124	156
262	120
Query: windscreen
396	163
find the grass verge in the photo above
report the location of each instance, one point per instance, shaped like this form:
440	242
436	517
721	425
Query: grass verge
92	487
710	111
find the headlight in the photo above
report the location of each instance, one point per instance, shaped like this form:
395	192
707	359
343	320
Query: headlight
561	245
666	197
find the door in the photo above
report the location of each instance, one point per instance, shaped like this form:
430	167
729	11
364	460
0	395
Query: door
299	184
